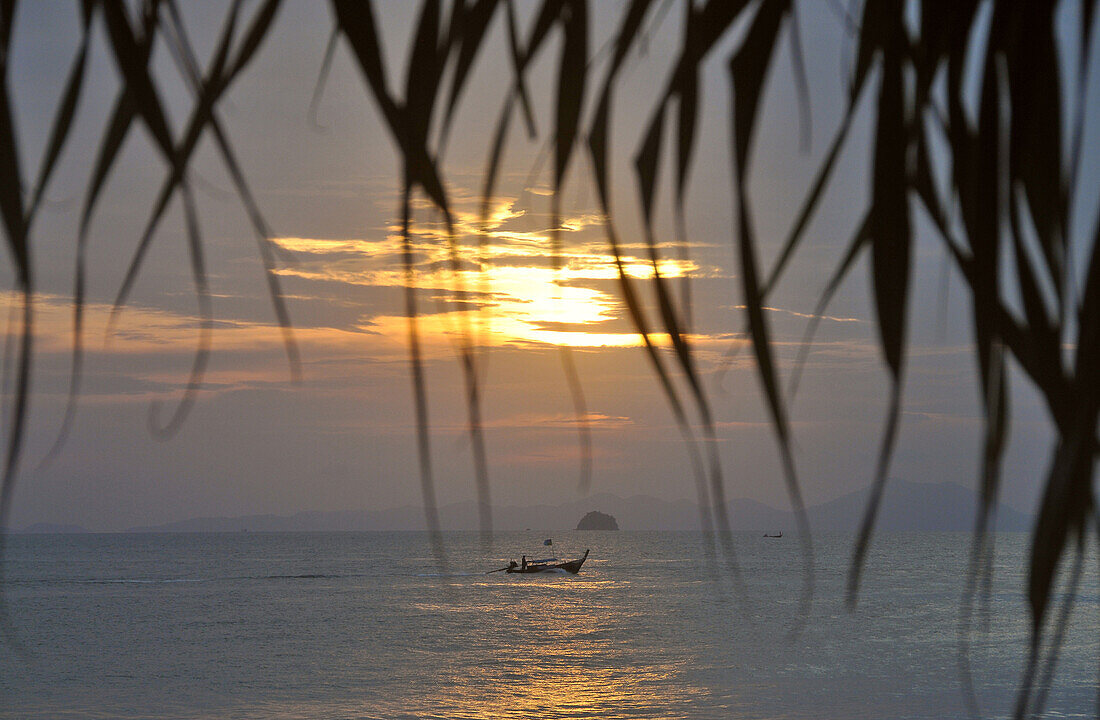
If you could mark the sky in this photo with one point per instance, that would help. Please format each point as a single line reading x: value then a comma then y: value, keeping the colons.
x: 328, y: 184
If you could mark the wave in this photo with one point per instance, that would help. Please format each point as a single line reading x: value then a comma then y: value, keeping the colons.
x: 162, y: 581
x: 135, y: 581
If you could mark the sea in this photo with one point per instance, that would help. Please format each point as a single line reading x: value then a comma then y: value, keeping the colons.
x: 392, y: 625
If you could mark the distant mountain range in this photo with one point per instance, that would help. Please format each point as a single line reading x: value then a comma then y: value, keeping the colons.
x: 53, y: 529
x: 906, y: 506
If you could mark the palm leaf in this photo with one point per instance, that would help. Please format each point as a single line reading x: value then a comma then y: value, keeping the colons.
x: 747, y: 69
x: 15, y: 233
x: 889, y: 228
x: 469, y: 37
x: 131, y: 59
x: 598, y: 148
x: 246, y: 51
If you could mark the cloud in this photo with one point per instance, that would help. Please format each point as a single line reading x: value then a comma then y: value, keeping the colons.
x: 940, y: 418
x: 148, y: 354
x: 594, y: 420
x: 516, y: 292
x: 493, y: 283
x: 807, y: 316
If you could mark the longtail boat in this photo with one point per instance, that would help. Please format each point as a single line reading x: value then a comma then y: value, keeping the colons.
x: 547, y: 565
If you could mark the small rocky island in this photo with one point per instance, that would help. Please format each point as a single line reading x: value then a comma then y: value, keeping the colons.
x: 597, y: 520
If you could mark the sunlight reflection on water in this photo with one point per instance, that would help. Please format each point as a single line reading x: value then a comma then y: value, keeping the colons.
x: 363, y: 625
x: 550, y: 646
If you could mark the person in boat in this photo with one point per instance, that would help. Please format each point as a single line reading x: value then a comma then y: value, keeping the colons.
x: 523, y: 563
x: 512, y: 565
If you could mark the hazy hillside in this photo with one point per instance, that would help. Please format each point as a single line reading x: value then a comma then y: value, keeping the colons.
x: 52, y: 529
x: 906, y: 507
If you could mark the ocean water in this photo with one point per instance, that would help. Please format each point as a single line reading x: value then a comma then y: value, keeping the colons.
x: 368, y: 625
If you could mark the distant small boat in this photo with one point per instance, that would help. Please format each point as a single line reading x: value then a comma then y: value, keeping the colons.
x: 774, y: 536
x: 547, y: 565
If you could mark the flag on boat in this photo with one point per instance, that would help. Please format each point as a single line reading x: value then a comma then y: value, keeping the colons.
x: 547, y: 541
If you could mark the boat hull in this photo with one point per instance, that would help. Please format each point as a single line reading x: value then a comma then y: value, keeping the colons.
x: 573, y: 566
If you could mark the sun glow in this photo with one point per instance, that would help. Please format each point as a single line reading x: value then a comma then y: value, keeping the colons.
x: 506, y: 292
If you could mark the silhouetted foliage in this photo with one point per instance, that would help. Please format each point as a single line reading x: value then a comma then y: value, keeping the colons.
x: 1001, y: 211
